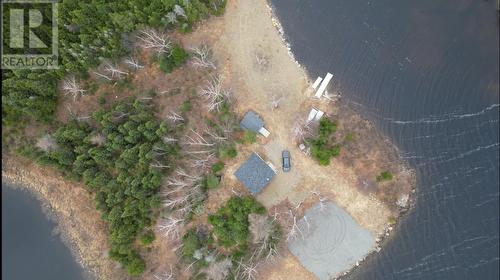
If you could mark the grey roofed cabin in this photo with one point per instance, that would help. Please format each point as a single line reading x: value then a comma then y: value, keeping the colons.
x: 251, y: 121
x: 255, y: 174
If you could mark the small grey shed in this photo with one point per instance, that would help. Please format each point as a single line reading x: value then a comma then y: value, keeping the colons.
x: 252, y: 121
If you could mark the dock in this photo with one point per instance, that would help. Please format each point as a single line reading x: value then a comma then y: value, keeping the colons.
x: 323, y: 85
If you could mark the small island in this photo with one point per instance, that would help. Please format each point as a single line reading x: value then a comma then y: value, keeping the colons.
x: 158, y: 146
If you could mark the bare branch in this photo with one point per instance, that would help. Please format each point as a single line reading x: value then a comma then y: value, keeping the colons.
x: 157, y: 41
x: 134, y: 63
x: 202, y: 57
x: 102, y: 76
x: 71, y: 87
x: 178, y: 10
x: 114, y: 71
x: 214, y: 94
x: 170, y: 227
x: 174, y: 117
x: 167, y: 275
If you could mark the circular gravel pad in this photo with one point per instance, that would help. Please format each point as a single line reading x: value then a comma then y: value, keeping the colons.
x: 330, y: 241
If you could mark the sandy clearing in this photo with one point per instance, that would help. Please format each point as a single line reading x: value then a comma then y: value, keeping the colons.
x: 258, y: 68
x: 248, y: 32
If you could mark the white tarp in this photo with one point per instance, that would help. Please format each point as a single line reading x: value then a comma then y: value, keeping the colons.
x: 312, y: 114
x: 264, y: 132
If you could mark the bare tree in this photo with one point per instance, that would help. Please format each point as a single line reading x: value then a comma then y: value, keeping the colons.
x: 46, y: 143
x: 155, y: 40
x: 166, y: 275
x: 197, y: 140
x: 247, y: 270
x: 98, y: 139
x: 171, y: 18
x: 295, y: 229
x: 275, y: 102
x: 102, y: 75
x: 157, y: 164
x: 219, y: 270
x: 202, y: 57
x: 320, y: 199
x: 168, y: 139
x: 72, y: 87
x: 302, y: 130
x: 214, y: 93
x: 114, y: 71
x: 170, y: 227
x: 215, y: 135
x: 174, y: 117
x: 134, y: 63
x: 178, y: 10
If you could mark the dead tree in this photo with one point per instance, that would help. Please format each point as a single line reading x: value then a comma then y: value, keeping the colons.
x: 295, y: 229
x: 46, y: 143
x: 302, y: 130
x: 202, y: 57
x: 320, y: 199
x: 214, y: 94
x: 171, y: 18
x: 178, y: 10
x: 102, y: 76
x: 174, y: 117
x: 155, y: 40
x: 168, y: 139
x: 247, y: 271
x: 71, y: 87
x: 215, y: 136
x: 158, y: 164
x: 201, y: 162
x: 189, y: 177
x: 197, y: 140
x: 167, y: 275
x: 114, y: 71
x: 275, y: 102
x: 134, y: 63
x: 170, y: 227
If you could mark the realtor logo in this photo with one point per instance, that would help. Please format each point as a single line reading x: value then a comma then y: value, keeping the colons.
x: 29, y: 34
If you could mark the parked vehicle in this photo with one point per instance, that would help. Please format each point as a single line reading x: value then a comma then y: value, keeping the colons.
x: 286, y: 160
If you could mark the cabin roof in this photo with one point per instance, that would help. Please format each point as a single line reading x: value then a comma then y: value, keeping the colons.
x: 255, y: 173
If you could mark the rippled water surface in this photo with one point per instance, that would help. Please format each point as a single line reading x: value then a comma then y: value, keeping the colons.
x: 29, y: 249
x: 426, y: 73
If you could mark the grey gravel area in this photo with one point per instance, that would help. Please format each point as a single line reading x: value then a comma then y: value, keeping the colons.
x: 331, y: 241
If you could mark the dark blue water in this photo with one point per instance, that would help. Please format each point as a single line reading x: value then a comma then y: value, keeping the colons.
x: 29, y: 249
x: 426, y: 73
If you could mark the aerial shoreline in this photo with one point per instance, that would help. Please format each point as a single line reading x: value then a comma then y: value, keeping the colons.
x: 18, y: 170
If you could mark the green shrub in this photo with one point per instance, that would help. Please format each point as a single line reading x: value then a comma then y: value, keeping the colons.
x: 321, y: 148
x: 230, y: 222
x: 217, y: 167
x: 148, y: 237
x: 384, y: 176
x: 102, y: 99
x: 190, y: 243
x: 175, y: 58
x: 211, y: 181
x: 186, y: 106
x: 226, y: 152
x: 249, y: 137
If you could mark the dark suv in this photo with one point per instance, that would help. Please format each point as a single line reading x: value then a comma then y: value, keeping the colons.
x: 286, y: 160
